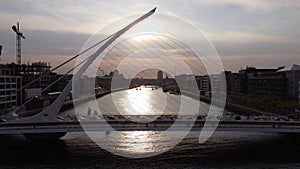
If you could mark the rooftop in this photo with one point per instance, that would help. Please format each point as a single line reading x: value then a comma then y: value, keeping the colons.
x: 294, y: 67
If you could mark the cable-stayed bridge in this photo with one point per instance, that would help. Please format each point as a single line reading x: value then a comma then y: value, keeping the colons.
x: 47, y: 122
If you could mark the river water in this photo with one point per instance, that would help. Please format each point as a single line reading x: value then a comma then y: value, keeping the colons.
x: 221, y: 150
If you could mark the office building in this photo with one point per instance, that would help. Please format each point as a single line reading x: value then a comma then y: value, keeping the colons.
x: 9, y: 84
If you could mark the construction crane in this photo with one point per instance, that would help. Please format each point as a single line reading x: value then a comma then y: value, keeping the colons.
x: 0, y: 51
x: 19, y: 35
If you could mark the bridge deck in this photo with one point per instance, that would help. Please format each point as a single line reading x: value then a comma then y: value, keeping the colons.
x: 94, y: 126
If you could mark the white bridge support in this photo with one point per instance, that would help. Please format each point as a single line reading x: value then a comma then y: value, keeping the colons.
x: 50, y: 113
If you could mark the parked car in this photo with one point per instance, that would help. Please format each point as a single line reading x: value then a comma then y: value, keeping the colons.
x: 256, y: 118
x: 237, y: 118
x: 285, y: 118
x: 277, y: 118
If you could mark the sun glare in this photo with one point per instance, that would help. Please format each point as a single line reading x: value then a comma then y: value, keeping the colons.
x: 144, y: 37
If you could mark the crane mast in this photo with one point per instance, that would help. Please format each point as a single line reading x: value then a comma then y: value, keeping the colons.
x: 19, y: 36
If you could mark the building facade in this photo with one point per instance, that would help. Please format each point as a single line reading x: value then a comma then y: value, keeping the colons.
x: 160, y: 76
x: 212, y: 83
x: 9, y: 85
x: 13, y: 77
x: 30, y: 72
x: 235, y: 83
x: 244, y: 75
x: 293, y: 77
x: 299, y: 92
x: 204, y: 84
x: 267, y: 84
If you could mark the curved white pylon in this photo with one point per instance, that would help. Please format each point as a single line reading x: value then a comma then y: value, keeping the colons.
x: 49, y: 114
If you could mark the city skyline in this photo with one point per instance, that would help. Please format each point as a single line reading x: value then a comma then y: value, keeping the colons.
x: 258, y: 33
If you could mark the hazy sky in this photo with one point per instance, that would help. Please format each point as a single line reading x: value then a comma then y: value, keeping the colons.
x: 264, y: 33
